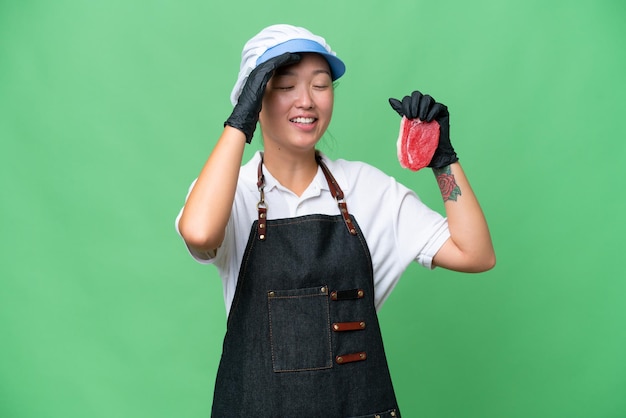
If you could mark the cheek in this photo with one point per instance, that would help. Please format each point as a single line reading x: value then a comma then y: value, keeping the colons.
x: 275, y: 103
x: 269, y: 106
x: 325, y: 101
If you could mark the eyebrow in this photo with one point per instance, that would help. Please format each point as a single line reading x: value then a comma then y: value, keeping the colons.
x: 287, y: 72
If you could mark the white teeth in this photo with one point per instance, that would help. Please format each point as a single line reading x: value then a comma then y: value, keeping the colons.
x: 303, y: 120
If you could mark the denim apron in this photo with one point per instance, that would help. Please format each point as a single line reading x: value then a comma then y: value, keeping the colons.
x: 303, y: 338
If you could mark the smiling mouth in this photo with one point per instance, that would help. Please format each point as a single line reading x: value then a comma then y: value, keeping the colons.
x: 303, y: 120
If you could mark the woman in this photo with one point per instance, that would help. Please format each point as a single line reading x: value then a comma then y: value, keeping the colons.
x: 309, y: 248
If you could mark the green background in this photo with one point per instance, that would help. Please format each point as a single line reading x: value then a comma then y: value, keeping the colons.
x: 108, y: 110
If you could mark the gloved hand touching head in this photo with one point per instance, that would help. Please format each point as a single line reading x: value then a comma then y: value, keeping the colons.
x: 426, y: 109
x: 245, y: 115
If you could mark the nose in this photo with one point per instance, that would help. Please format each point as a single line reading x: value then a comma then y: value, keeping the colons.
x: 304, y: 99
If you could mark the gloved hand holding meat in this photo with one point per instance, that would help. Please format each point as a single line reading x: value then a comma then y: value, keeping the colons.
x: 424, y: 139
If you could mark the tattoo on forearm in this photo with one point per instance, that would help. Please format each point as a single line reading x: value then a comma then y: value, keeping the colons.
x: 447, y: 184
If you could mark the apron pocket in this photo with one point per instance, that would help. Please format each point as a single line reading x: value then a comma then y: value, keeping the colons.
x: 299, y: 322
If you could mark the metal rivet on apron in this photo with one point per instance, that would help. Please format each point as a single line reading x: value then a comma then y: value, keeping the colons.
x: 262, y: 236
x: 353, y: 231
x: 393, y: 413
x: 323, y: 290
x: 271, y: 294
x: 360, y: 293
x: 261, y: 225
x: 339, y: 359
x: 362, y: 324
x: 336, y: 327
x: 376, y: 416
x: 262, y: 216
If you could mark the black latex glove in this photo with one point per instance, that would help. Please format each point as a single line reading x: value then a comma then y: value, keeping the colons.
x: 426, y: 109
x: 246, y: 112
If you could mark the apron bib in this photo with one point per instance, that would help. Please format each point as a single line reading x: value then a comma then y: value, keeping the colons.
x: 303, y: 338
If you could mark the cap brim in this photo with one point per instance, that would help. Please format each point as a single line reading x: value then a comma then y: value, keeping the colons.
x: 337, y: 67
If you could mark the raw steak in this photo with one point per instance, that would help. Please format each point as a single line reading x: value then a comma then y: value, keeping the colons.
x: 417, y: 143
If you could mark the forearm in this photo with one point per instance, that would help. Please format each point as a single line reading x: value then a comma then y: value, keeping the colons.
x: 209, y: 204
x: 469, y: 248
